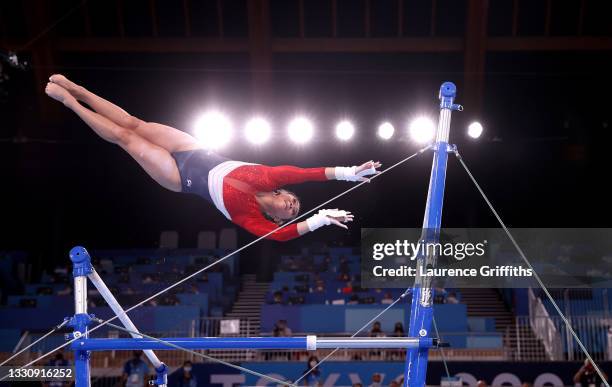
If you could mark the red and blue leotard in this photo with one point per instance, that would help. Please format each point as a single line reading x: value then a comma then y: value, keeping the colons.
x: 241, y: 184
x: 232, y: 185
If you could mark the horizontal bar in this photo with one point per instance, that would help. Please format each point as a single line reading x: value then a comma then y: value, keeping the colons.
x: 310, y: 343
x: 375, y: 342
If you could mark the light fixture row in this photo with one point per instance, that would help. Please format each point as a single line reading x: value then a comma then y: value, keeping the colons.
x: 215, y: 130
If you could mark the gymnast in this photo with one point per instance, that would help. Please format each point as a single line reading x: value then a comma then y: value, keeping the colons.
x: 249, y: 195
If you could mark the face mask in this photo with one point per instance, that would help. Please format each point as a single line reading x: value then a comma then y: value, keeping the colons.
x: 188, y: 369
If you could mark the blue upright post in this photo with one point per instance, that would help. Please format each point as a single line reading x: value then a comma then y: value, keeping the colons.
x: 421, y: 308
x: 80, y: 321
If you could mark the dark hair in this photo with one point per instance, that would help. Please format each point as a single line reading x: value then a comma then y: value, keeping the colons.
x: 282, y: 221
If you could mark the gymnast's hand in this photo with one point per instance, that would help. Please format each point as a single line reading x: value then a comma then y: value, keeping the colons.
x: 357, y: 173
x: 338, y: 217
x: 368, y: 168
x: 327, y: 217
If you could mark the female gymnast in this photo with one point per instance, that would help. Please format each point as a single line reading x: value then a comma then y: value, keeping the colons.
x: 249, y: 195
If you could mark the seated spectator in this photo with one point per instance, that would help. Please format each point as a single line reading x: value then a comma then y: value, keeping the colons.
x: 312, y: 372
x: 319, y: 287
x: 348, y: 288
x: 203, y: 278
x: 376, y: 380
x: 187, y: 378
x: 376, y: 330
x: 344, y: 277
x: 587, y: 375
x: 135, y: 371
x: 353, y: 300
x: 194, y: 289
x: 452, y: 298
x: 277, y: 297
x: 398, y: 330
x: 439, y: 295
x: 281, y: 329
x: 387, y: 299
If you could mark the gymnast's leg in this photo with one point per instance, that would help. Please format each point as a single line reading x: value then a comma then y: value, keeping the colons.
x: 167, y: 137
x: 155, y: 160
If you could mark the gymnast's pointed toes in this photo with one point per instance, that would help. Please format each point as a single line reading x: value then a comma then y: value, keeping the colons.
x: 57, y: 92
x: 57, y: 78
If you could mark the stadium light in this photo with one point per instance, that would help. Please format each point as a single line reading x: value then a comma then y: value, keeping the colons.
x: 300, y: 130
x: 345, y: 130
x: 213, y: 129
x: 257, y: 130
x: 422, y: 130
x: 386, y: 130
x: 475, y: 129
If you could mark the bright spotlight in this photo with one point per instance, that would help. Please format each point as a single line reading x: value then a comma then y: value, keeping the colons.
x: 300, y: 130
x: 213, y: 130
x: 345, y: 130
x: 422, y: 130
x: 475, y: 129
x: 257, y: 130
x: 386, y: 130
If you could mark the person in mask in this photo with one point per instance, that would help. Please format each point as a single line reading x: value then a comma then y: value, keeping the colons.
x: 187, y: 378
x: 313, y: 377
x: 376, y: 380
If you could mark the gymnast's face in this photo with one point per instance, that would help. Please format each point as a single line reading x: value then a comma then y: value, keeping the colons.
x: 285, y: 206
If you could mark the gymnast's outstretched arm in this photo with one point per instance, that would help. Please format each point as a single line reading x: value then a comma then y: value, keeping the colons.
x: 287, y: 174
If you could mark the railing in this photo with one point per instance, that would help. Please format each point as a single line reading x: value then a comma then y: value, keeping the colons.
x: 544, y: 328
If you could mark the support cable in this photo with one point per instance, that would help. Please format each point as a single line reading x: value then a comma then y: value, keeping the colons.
x: 440, y: 348
x: 53, y: 330
x: 535, y: 274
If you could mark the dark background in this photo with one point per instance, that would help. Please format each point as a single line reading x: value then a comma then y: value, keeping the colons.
x: 543, y: 96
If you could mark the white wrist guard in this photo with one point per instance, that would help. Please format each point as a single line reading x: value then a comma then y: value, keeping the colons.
x: 348, y: 173
x: 316, y: 221
x: 345, y: 173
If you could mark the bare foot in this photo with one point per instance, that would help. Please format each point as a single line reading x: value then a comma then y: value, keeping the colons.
x: 60, y: 94
x: 67, y: 84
